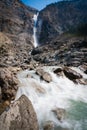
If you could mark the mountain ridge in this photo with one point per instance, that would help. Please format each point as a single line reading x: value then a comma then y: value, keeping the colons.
x: 60, y: 17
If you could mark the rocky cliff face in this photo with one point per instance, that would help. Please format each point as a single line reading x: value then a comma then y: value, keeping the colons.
x: 61, y: 17
x: 16, y: 18
x: 16, y: 24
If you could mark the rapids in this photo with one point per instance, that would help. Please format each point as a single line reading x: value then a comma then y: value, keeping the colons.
x: 59, y: 93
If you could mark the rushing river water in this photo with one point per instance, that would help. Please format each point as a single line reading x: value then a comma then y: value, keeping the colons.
x: 59, y: 93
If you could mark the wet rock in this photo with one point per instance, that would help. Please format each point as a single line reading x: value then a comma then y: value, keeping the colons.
x: 83, y: 67
x: 58, y: 71
x: 72, y: 74
x: 36, y: 51
x: 44, y: 75
x: 47, y: 77
x: 40, y: 72
x: 85, y: 71
x: 8, y: 84
x: 60, y: 113
x: 81, y: 81
x: 28, y: 76
x: 20, y: 116
x: 49, y: 125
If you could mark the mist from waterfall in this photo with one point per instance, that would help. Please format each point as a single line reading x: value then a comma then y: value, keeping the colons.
x: 35, y: 18
x: 59, y: 93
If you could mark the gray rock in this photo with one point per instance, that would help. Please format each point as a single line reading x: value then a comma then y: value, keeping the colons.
x: 20, y: 116
x: 40, y: 72
x: 60, y: 113
x: 49, y: 125
x: 44, y: 75
x: 47, y: 77
x: 71, y: 74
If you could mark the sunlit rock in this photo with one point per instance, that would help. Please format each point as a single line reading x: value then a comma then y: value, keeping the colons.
x: 49, y: 125
x: 44, y: 75
x: 20, y: 116
x: 60, y: 113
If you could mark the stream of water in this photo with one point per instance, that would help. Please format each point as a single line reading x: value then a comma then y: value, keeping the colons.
x: 35, y: 18
x: 59, y: 93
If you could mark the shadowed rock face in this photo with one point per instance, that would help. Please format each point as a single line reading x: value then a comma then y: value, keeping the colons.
x: 16, y: 23
x: 20, y: 116
x: 60, y: 17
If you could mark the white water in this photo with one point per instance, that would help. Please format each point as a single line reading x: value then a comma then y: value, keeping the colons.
x: 35, y: 18
x: 47, y: 96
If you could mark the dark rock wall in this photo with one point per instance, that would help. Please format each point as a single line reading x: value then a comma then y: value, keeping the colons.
x: 61, y: 17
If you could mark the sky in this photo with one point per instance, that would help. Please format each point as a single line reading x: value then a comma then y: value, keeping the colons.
x: 39, y: 4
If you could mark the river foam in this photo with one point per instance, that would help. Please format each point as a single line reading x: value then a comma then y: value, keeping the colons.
x: 45, y: 97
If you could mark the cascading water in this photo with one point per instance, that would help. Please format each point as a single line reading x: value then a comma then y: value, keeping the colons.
x: 59, y: 93
x: 35, y: 18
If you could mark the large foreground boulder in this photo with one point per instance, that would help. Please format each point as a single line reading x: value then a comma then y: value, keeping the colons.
x: 20, y: 116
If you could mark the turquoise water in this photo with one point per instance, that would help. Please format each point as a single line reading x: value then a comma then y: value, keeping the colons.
x: 77, y: 114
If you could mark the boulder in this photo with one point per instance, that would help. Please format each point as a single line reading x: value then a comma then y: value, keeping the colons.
x: 49, y: 125
x: 83, y: 68
x: 40, y: 72
x: 81, y: 81
x: 58, y: 71
x: 47, y: 77
x: 20, y: 116
x: 72, y: 74
x: 8, y: 84
x: 60, y: 113
x: 36, y: 51
x: 44, y: 75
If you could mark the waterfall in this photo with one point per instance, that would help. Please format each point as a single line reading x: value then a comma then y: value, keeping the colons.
x: 59, y: 93
x: 35, y: 18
